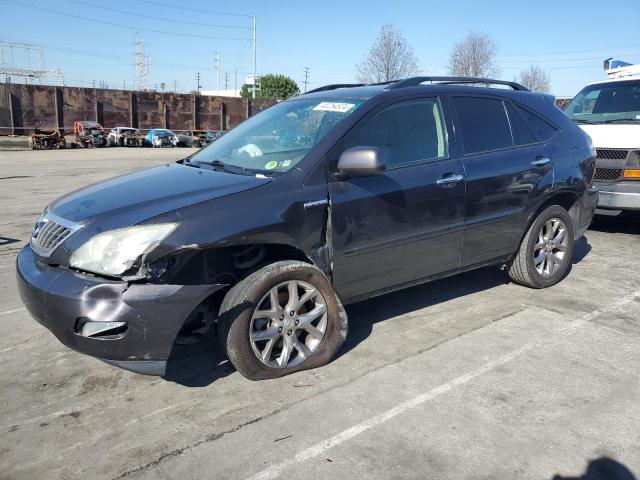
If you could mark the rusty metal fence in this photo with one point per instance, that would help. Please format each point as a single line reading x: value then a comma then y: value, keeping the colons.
x: 24, y: 108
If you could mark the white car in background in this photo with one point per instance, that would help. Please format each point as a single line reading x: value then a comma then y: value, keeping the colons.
x: 609, y: 111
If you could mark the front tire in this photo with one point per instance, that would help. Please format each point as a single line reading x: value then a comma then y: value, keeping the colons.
x: 545, y: 252
x: 281, y: 319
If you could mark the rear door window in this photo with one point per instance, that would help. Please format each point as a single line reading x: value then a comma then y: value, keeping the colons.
x: 484, y: 124
x: 542, y: 129
x: 522, y: 134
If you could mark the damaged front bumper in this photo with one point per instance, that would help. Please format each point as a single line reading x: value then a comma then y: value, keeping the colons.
x: 147, y: 317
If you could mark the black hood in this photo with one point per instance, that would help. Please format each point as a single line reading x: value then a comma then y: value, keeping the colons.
x: 148, y: 193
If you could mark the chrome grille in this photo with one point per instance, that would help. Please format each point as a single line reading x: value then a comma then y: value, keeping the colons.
x: 49, y: 232
x: 608, y: 174
x: 611, y: 154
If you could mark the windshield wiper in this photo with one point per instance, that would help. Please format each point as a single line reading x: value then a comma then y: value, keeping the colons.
x: 621, y: 120
x: 589, y: 122
x: 236, y: 169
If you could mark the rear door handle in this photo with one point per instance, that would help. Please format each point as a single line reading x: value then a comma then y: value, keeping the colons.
x: 449, y: 180
x: 539, y: 161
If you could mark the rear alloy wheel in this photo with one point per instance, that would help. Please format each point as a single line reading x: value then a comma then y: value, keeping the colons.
x: 551, y: 247
x: 545, y: 253
x: 281, y: 319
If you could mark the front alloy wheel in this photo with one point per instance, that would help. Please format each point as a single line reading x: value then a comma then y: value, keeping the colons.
x: 280, y: 319
x: 288, y: 324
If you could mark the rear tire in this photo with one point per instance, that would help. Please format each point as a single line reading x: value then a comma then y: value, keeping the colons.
x: 310, y: 339
x: 544, y: 256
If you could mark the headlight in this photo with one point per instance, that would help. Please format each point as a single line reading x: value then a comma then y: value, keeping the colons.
x: 115, y: 252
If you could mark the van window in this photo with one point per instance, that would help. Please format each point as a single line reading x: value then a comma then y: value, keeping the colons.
x: 408, y: 131
x: 522, y: 134
x: 542, y: 129
x: 484, y: 124
x: 610, y: 102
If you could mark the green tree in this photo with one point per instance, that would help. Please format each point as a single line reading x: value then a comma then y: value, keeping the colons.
x: 272, y: 87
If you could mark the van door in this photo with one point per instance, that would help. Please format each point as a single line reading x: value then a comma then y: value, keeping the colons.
x: 405, y: 225
x: 508, y: 172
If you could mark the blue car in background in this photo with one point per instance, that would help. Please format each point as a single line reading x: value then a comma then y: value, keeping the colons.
x: 160, y: 138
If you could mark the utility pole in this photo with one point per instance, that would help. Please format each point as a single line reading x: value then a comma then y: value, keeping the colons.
x: 253, y: 92
x: 306, y: 78
x: 175, y: 86
x: 226, y: 80
x: 218, y: 72
x: 198, y: 81
x: 235, y: 86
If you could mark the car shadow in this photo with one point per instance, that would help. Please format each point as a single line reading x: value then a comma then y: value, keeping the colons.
x: 626, y: 222
x: 197, y: 361
x: 603, y: 468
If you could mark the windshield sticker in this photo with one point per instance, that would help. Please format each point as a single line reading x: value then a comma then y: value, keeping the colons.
x: 334, y: 107
x: 271, y: 165
x: 285, y: 163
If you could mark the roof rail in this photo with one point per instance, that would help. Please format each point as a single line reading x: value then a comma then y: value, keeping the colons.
x: 415, y: 81
x: 334, y: 86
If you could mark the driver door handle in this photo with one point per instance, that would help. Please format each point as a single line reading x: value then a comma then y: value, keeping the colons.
x: 539, y: 161
x: 449, y: 180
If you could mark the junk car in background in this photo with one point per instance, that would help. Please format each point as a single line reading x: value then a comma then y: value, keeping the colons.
x: 159, y: 137
x: 198, y: 138
x: 89, y: 134
x: 47, y: 139
x: 125, y: 137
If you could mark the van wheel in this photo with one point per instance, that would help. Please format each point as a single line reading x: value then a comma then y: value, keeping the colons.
x: 281, y: 319
x: 545, y: 252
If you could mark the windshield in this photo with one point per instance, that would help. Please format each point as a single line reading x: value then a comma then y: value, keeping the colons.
x: 607, y: 103
x: 279, y: 137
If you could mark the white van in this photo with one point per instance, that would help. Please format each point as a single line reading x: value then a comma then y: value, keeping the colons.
x: 609, y: 111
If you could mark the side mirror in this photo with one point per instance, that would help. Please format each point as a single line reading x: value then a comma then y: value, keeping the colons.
x: 361, y: 162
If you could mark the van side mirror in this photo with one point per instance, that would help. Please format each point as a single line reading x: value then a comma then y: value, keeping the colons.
x: 361, y: 162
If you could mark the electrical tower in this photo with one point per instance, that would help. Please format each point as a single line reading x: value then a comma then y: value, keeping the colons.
x: 141, y: 69
x: 198, y: 86
x: 218, y: 72
x: 25, y: 51
x: 306, y: 78
x: 226, y: 81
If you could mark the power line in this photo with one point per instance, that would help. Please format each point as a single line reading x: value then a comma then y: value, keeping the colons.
x: 168, y: 5
x: 120, y: 25
x: 172, y: 20
x: 556, y: 60
x: 568, y: 51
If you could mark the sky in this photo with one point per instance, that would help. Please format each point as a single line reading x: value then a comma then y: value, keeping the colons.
x: 91, y: 40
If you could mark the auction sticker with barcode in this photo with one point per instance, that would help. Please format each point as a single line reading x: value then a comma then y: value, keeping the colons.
x: 334, y: 107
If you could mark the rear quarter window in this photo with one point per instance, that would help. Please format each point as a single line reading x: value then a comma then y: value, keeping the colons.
x: 484, y: 124
x: 522, y: 134
x: 542, y: 129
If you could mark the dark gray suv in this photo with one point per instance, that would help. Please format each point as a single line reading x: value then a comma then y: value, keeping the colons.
x: 332, y: 197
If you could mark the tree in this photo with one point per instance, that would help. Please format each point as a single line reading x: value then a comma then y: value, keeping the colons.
x: 536, y: 79
x: 474, y: 56
x: 390, y: 58
x: 272, y: 87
